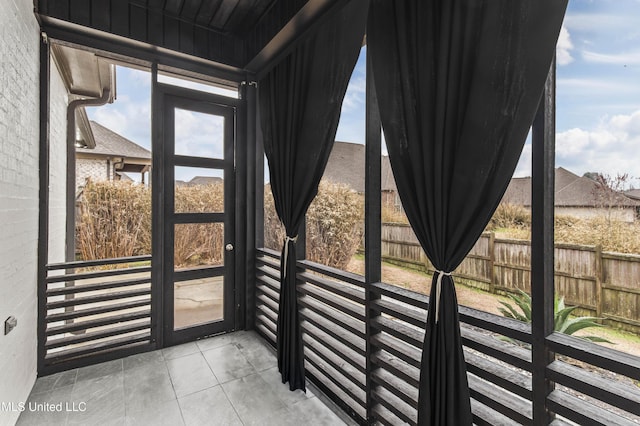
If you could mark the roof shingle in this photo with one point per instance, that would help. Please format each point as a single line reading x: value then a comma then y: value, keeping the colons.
x: 347, y: 165
x: 111, y: 144
x: 571, y: 190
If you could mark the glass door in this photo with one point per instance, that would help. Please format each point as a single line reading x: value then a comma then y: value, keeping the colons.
x: 198, y: 203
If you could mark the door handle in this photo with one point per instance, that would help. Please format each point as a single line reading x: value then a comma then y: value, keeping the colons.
x: 229, y: 247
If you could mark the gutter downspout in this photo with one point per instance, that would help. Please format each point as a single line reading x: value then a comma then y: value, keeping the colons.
x: 70, y: 246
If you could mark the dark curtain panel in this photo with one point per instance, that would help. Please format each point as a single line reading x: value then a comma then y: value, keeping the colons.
x: 458, y: 83
x: 300, y: 102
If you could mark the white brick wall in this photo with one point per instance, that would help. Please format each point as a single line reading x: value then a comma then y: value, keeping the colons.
x: 57, y: 165
x: 19, y: 132
x: 94, y: 169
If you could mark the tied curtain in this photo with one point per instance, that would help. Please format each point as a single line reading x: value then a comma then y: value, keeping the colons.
x: 299, y: 103
x: 458, y: 85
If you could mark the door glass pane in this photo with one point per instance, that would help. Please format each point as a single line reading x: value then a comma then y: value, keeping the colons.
x: 198, y: 134
x: 198, y: 245
x: 201, y: 300
x: 199, y: 190
x: 198, y: 301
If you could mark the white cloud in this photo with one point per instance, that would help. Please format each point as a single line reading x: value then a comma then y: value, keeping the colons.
x: 612, y: 147
x: 130, y: 114
x: 139, y: 77
x: 351, y: 131
x: 523, y: 168
x: 628, y: 125
x: 354, y: 98
x: 592, y: 84
x: 129, y: 119
x: 351, y: 127
x: 622, y: 58
x: 199, y: 135
x: 564, y: 47
x: 601, y: 21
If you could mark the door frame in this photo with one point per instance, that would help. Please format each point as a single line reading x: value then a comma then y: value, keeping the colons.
x: 165, y: 96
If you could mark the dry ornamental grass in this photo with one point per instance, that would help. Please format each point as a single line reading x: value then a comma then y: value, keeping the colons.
x: 115, y: 221
x: 612, y: 235
x: 334, y: 225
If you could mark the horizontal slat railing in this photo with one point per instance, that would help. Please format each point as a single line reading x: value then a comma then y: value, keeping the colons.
x: 581, y: 392
x: 332, y: 318
x: 617, y: 394
x: 96, y: 310
x: 497, y: 353
x: 499, y: 389
x: 267, y: 294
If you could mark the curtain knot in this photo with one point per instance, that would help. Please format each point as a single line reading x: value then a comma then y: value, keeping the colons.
x: 438, y: 289
x: 287, y: 239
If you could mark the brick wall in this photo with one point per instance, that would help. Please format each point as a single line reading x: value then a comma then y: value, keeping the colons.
x: 94, y: 169
x: 57, y: 165
x: 19, y: 134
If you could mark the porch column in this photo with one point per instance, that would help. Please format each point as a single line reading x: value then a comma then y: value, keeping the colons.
x: 542, y: 239
x: 372, y: 226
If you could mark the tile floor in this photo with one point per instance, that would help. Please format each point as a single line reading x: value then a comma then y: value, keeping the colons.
x: 231, y: 379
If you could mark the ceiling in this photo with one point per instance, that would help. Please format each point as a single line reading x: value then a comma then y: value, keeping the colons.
x: 233, y: 37
x: 226, y: 16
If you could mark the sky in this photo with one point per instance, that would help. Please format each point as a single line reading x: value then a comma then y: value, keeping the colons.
x: 597, y: 110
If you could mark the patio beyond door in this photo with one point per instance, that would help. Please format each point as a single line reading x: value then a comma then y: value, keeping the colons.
x: 198, y: 199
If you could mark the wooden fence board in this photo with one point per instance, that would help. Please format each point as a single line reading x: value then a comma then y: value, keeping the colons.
x: 602, y: 284
x: 621, y: 270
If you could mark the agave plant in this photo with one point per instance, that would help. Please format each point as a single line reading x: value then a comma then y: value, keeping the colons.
x: 562, y: 322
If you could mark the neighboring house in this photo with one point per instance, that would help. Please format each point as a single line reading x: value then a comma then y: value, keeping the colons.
x: 200, y: 181
x: 577, y: 196
x: 633, y: 193
x: 347, y: 165
x: 111, y: 157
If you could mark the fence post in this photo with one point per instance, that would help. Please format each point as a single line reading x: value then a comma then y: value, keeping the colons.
x: 599, y: 280
x: 492, y: 261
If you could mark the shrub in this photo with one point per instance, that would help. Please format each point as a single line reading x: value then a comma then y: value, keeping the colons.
x: 562, y: 322
x: 200, y: 198
x: 274, y: 231
x: 612, y: 235
x: 199, y: 243
x: 392, y: 215
x: 115, y: 221
x: 334, y: 229
x: 509, y: 216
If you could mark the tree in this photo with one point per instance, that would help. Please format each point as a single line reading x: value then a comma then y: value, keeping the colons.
x: 608, y: 192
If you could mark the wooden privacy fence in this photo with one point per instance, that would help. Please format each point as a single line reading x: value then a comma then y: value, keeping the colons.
x: 602, y: 284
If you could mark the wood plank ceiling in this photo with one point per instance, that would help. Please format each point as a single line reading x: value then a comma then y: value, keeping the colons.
x: 243, y: 36
x: 234, y: 17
